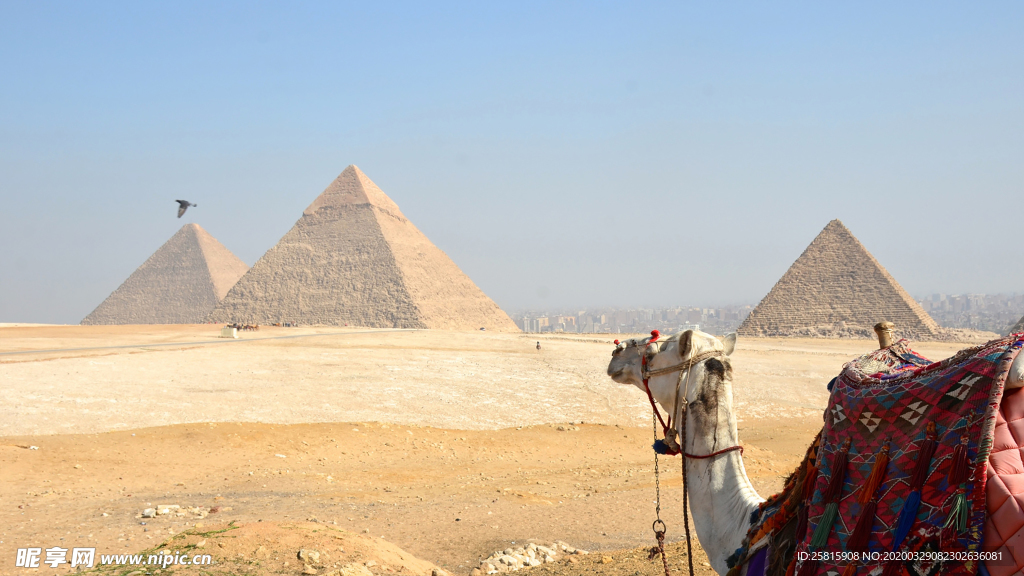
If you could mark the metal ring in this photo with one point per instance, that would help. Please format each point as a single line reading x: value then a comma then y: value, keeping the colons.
x: 654, y: 526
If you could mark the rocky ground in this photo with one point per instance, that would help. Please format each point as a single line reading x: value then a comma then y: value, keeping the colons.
x: 448, y: 496
x: 542, y: 447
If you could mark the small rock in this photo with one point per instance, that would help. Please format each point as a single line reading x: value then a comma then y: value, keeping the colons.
x: 307, y: 569
x: 77, y: 466
x: 309, y: 556
x: 607, y: 560
x: 371, y: 563
x: 261, y: 552
x: 572, y: 560
x: 163, y: 509
x: 202, y: 543
x: 476, y: 572
x: 149, y: 513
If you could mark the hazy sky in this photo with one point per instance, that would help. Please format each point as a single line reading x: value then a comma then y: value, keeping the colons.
x: 563, y: 154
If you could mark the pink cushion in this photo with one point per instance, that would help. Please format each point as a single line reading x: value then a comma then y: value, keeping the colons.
x: 1004, y: 490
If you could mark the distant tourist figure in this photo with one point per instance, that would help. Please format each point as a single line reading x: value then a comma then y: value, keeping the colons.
x: 183, y: 205
x: 538, y: 345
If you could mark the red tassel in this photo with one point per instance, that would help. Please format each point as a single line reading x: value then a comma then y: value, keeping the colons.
x: 877, y: 475
x: 947, y: 539
x: 810, y: 481
x: 858, y: 541
x: 808, y: 568
x: 924, y: 458
x: 958, y: 471
x: 801, y: 523
x: 835, y: 483
x: 850, y: 570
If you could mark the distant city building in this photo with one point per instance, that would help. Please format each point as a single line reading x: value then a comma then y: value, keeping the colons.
x: 634, y: 320
x: 990, y: 312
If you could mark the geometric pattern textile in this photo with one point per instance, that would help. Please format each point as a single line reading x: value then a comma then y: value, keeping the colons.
x: 889, y: 397
x: 962, y: 398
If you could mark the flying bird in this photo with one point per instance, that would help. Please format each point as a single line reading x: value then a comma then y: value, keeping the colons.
x: 183, y: 205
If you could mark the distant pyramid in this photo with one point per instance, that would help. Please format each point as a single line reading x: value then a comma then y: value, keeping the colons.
x: 836, y: 280
x: 1018, y: 327
x: 179, y: 284
x: 353, y: 258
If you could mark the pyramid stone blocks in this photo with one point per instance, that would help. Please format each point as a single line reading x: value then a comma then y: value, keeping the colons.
x: 179, y: 284
x: 354, y: 259
x: 836, y: 284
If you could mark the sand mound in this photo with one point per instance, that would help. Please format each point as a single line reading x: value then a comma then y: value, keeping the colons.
x: 282, y: 548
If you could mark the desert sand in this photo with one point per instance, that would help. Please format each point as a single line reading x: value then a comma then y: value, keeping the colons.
x: 405, y: 450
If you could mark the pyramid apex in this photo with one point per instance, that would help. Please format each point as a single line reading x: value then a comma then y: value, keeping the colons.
x: 352, y: 187
x: 834, y: 224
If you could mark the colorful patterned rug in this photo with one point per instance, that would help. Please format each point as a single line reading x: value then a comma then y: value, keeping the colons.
x: 897, y: 476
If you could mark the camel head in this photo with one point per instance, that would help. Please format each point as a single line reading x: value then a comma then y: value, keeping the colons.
x: 708, y: 385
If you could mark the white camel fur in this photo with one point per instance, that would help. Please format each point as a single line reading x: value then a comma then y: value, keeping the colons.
x: 721, y: 497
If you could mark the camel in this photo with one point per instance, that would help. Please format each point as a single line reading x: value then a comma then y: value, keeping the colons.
x: 721, y: 496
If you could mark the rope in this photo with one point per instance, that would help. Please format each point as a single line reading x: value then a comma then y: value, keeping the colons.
x: 686, y: 504
x: 713, y: 454
x: 659, y: 531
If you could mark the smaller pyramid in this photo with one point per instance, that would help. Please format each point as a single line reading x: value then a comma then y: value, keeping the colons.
x: 179, y: 284
x: 1018, y: 327
x: 837, y: 286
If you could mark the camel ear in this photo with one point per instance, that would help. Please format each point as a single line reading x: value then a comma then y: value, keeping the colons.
x: 684, y: 343
x: 729, y: 340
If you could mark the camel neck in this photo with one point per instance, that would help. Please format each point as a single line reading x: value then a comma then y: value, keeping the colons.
x: 721, y: 501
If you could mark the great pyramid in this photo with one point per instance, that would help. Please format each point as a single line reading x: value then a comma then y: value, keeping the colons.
x: 354, y: 259
x: 179, y: 284
x: 837, y: 287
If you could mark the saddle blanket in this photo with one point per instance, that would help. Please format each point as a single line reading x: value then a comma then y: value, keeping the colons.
x: 896, y: 482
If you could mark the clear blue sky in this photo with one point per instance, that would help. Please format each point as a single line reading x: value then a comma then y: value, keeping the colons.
x: 563, y: 154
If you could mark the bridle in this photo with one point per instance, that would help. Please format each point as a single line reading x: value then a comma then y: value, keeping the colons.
x: 685, y: 368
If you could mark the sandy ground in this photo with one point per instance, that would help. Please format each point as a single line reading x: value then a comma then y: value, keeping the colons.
x: 446, y: 445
